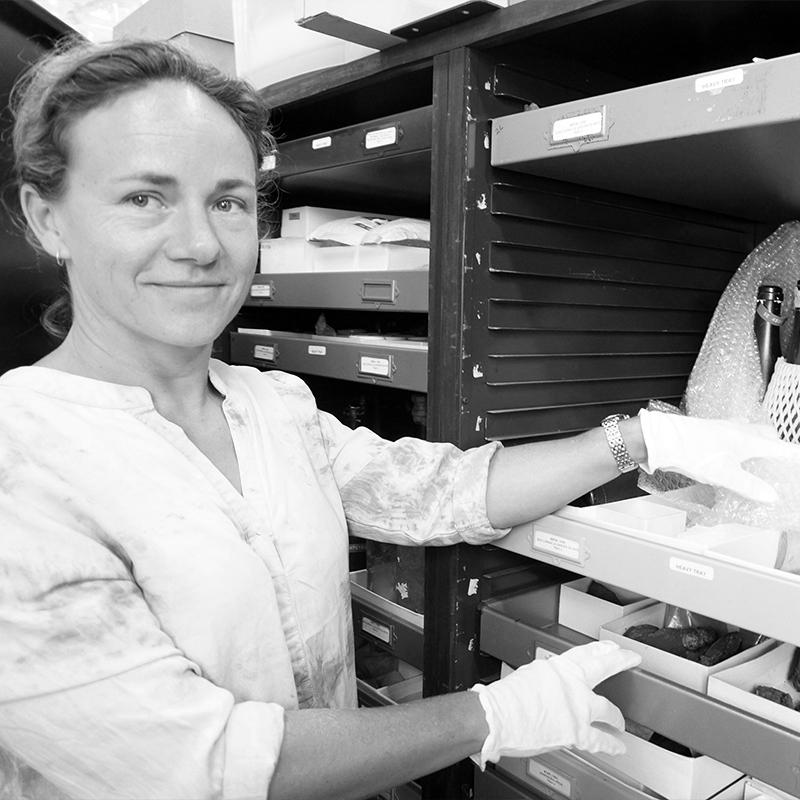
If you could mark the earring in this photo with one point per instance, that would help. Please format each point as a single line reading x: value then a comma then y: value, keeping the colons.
x: 59, y: 259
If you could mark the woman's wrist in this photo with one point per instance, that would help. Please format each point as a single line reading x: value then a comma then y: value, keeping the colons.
x: 631, y: 431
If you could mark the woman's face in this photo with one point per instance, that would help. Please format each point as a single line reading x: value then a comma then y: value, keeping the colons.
x: 158, y: 220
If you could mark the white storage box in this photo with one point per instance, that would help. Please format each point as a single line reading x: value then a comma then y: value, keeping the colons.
x: 403, y: 692
x: 286, y: 255
x: 585, y: 613
x: 292, y: 50
x: 300, y: 222
x: 643, y: 514
x: 758, y: 790
x: 205, y: 29
x: 755, y: 547
x: 735, y: 686
x: 672, y: 775
x: 370, y: 257
x: 675, y: 668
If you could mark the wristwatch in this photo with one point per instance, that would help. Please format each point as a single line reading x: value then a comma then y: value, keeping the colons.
x: 616, y: 443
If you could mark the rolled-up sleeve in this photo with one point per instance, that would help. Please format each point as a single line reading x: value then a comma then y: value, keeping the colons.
x: 96, y: 697
x: 411, y: 491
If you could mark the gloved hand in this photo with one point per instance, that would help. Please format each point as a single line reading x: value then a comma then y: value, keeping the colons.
x: 712, y: 450
x: 549, y: 703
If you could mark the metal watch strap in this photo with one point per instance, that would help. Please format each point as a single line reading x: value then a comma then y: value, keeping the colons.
x: 616, y: 443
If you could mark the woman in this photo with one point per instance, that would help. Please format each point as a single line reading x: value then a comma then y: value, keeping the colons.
x: 175, y: 592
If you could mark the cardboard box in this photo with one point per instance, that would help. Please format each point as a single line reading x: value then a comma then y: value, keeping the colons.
x: 676, y: 668
x: 301, y: 221
x: 286, y: 255
x: 163, y: 19
x: 202, y: 27
x: 733, y: 792
x: 758, y: 790
x: 672, y: 775
x: 291, y: 50
x: 643, y: 514
x: 349, y: 258
x: 752, y: 546
x: 585, y: 613
x: 735, y: 686
x: 403, y: 692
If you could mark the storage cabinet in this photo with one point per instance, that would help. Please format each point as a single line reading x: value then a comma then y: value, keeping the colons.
x: 584, y: 224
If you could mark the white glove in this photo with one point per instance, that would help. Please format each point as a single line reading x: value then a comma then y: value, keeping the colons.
x: 549, y: 703
x: 712, y: 450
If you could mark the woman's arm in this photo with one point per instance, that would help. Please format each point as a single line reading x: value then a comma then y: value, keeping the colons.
x: 546, y: 704
x: 531, y: 480
x: 357, y: 753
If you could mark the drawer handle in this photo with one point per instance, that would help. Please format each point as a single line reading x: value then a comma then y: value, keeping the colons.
x: 379, y: 292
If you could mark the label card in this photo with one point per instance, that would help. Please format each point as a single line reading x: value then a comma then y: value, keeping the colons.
x: 556, y: 545
x: 691, y: 568
x: 381, y: 138
x: 264, y: 352
x: 579, y: 127
x: 373, y: 365
x: 718, y: 81
x: 261, y: 290
x: 549, y: 777
x: 382, y: 632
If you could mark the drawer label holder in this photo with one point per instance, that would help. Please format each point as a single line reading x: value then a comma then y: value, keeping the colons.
x: 376, y: 366
x: 378, y: 630
x: 549, y: 777
x: 383, y: 137
x: 265, y: 291
x: 558, y: 546
x: 265, y: 352
x: 576, y: 129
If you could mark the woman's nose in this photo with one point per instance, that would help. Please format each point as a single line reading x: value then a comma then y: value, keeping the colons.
x: 193, y: 237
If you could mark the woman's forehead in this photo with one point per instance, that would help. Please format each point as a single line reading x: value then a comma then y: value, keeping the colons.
x: 164, y: 120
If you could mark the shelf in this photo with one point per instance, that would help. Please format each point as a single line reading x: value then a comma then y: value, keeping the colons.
x: 392, y: 627
x: 746, y: 595
x: 724, y: 141
x: 387, y: 159
x: 512, y: 629
x: 401, y: 364
x: 390, y: 290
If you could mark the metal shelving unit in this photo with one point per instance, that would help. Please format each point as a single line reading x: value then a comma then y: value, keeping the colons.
x: 400, y: 364
x: 724, y: 140
x: 741, y: 594
x: 390, y: 290
x: 513, y: 628
x: 357, y: 163
x: 564, y: 236
x: 393, y: 628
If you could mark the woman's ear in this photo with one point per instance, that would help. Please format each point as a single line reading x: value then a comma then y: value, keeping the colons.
x: 41, y: 216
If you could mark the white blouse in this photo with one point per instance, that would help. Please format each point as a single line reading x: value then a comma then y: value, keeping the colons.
x: 155, y: 623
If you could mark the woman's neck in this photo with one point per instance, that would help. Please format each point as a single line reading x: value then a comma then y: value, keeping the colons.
x: 177, y: 378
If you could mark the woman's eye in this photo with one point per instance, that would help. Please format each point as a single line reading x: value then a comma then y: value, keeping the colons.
x: 140, y: 200
x: 227, y: 204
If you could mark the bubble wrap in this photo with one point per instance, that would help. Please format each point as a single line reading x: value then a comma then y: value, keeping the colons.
x: 726, y: 383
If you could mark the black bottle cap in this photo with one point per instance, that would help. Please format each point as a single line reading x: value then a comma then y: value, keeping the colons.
x: 770, y: 292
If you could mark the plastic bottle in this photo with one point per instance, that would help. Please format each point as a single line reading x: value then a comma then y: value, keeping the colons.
x: 767, y: 326
x: 792, y: 354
